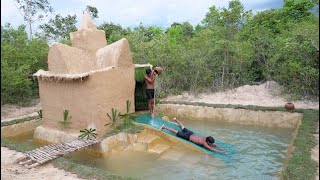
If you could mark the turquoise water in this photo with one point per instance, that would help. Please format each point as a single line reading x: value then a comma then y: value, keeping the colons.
x: 255, y: 153
x: 259, y: 152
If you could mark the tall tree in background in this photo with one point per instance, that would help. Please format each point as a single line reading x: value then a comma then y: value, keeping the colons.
x: 92, y: 11
x: 20, y: 58
x: 298, y: 10
x: 59, y: 28
x: 226, y: 24
x: 187, y: 28
x: 230, y: 48
x: 33, y: 10
x: 114, y: 32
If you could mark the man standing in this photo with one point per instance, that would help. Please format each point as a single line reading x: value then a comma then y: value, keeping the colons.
x: 150, y: 82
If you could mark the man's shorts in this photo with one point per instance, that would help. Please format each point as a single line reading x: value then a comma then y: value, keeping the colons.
x: 150, y: 93
x: 185, y: 134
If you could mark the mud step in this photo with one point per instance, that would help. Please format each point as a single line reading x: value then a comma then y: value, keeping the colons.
x: 159, y: 148
x: 147, y: 139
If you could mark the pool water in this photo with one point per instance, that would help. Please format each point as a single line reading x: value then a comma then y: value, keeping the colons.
x: 27, y: 139
x: 259, y: 153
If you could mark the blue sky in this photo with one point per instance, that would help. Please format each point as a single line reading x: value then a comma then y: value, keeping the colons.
x: 129, y: 13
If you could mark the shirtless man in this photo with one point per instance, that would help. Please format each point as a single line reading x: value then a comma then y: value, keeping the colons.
x: 150, y: 81
x: 207, y: 142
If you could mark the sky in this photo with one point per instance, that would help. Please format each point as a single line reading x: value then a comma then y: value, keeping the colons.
x: 129, y: 13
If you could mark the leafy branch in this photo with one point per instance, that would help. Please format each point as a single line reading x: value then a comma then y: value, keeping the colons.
x: 40, y: 114
x: 126, y: 117
x: 115, y: 116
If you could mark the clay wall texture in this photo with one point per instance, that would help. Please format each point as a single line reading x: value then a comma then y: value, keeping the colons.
x: 109, y: 85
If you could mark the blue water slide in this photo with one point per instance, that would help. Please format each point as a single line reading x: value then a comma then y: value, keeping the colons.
x: 158, y: 122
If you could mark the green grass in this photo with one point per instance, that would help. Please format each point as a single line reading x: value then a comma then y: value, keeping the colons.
x: 16, y: 121
x: 300, y: 165
x: 15, y: 146
x: 126, y: 128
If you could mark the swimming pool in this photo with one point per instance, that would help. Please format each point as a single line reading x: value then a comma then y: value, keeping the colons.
x: 259, y: 153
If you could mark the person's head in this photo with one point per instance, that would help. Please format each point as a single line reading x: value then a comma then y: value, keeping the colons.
x: 210, y: 140
x: 148, y: 71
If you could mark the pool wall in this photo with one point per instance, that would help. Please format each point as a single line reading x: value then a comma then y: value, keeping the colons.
x: 20, y: 128
x: 239, y: 116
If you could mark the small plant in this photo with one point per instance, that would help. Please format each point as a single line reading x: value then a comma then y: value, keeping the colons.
x: 127, y: 120
x: 88, y: 133
x: 40, y: 114
x: 66, y: 119
x: 115, y: 116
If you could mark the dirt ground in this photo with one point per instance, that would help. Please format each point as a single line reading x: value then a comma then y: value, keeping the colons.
x: 261, y: 95
x: 11, y: 170
x: 267, y: 94
x: 13, y: 111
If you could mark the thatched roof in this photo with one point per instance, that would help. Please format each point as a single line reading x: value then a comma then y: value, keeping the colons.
x: 47, y: 76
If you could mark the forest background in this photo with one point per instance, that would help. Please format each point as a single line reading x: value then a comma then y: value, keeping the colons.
x: 231, y: 47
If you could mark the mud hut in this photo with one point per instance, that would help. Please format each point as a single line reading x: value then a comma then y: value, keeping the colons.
x: 87, y: 79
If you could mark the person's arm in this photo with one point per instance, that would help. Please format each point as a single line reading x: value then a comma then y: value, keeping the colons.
x: 150, y: 79
x: 216, y: 145
x: 212, y: 149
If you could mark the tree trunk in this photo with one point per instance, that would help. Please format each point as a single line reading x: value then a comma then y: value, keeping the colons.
x: 223, y: 64
x: 30, y: 30
x: 29, y: 19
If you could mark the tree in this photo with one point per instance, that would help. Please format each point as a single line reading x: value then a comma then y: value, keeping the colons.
x: 175, y: 34
x: 298, y: 10
x: 59, y: 28
x: 93, y: 11
x: 187, y: 28
x: 33, y: 10
x: 111, y: 28
x: 20, y: 58
x: 226, y: 24
x: 153, y: 32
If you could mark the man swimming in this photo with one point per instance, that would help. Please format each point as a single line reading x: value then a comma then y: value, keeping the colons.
x: 207, y: 142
